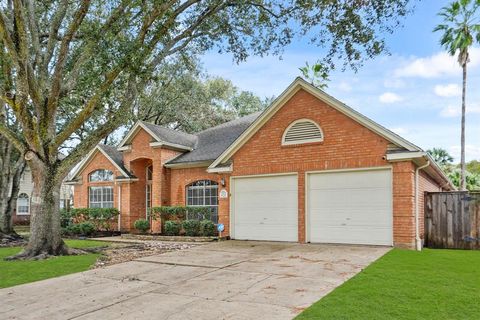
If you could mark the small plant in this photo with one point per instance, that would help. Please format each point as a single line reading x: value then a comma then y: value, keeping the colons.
x: 207, y: 228
x: 191, y: 227
x: 172, y: 228
x: 141, y: 225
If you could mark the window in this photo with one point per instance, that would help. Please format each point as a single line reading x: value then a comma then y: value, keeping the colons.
x: 302, y: 131
x: 23, y: 204
x: 101, y: 175
x: 204, y: 193
x: 149, y: 173
x: 100, y: 197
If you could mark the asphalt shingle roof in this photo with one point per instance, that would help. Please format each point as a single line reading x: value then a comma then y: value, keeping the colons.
x: 115, y: 155
x: 172, y: 136
x: 212, y: 142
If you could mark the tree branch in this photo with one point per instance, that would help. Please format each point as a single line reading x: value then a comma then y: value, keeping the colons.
x: 11, y: 136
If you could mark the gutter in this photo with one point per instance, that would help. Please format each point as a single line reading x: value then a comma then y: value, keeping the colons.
x: 418, y: 241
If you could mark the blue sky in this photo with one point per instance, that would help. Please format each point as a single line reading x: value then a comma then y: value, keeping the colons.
x: 414, y: 91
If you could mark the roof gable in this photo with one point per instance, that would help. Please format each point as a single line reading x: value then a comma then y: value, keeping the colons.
x: 111, y: 153
x: 297, y: 85
x: 162, y: 136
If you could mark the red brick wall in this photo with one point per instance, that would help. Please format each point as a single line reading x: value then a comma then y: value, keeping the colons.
x: 99, y: 161
x: 346, y: 144
x: 425, y: 184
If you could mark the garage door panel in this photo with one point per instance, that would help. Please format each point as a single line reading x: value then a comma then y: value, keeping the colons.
x: 350, y: 207
x: 349, y: 179
x: 329, y: 199
x: 356, y: 235
x: 276, y: 199
x: 265, y: 208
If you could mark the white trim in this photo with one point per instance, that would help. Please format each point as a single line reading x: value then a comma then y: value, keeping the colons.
x: 284, y: 143
x: 403, y: 156
x: 158, y: 143
x: 168, y: 144
x: 411, y: 156
x: 120, y: 180
x: 119, y: 207
x: 196, y: 164
x: 133, y: 131
x: 89, y: 157
x: 127, y: 147
x: 308, y: 173
x: 293, y: 88
x: 232, y: 197
x: 221, y: 169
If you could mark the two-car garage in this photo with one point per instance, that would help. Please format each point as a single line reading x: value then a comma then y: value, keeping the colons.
x: 351, y: 206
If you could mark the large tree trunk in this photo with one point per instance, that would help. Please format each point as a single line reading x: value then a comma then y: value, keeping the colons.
x: 462, y: 151
x: 45, y: 239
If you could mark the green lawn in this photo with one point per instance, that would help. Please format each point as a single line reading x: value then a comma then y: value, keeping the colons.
x: 13, y: 273
x: 431, y: 284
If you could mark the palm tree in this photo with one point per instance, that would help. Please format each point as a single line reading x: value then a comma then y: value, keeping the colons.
x: 460, y: 28
x: 441, y: 156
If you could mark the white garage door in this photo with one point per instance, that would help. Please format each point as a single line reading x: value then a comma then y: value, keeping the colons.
x: 265, y: 208
x: 350, y: 207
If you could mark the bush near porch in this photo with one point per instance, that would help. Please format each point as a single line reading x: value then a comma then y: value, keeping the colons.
x: 88, y: 221
x: 185, y: 220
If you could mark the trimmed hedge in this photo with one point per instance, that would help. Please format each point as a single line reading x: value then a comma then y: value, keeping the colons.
x: 191, y: 227
x: 141, y: 225
x: 180, y: 213
x: 101, y: 218
x: 207, y: 228
x: 172, y: 228
x: 80, y: 229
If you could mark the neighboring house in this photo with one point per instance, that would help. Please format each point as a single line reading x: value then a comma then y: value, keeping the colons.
x: 23, y: 209
x: 307, y: 169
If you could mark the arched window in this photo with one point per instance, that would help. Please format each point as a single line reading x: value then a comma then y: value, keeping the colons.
x: 23, y: 204
x: 204, y: 193
x: 302, y: 131
x: 101, y: 175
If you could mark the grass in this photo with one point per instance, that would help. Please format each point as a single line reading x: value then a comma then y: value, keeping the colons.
x: 13, y: 273
x: 431, y: 284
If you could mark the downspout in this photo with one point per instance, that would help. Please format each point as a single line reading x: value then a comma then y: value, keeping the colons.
x: 418, y: 241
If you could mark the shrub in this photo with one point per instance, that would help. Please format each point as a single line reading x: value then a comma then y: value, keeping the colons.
x: 80, y: 229
x: 191, y: 227
x: 101, y: 218
x: 207, y: 228
x: 86, y: 228
x: 65, y: 218
x: 172, y: 228
x: 142, y: 225
x: 180, y: 213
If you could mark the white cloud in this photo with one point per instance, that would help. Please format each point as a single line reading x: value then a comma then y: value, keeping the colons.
x: 389, y: 97
x: 394, y: 83
x: 437, y: 65
x: 448, y: 90
x: 456, y: 111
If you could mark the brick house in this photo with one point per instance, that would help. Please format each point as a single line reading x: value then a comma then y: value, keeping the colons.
x: 307, y: 169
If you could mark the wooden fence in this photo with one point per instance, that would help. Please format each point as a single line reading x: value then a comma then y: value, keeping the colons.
x: 452, y: 220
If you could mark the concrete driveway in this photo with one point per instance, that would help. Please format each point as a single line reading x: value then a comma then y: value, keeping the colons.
x: 226, y: 280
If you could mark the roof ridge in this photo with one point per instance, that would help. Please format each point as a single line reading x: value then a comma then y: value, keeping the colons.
x: 225, y: 124
x: 166, y: 128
